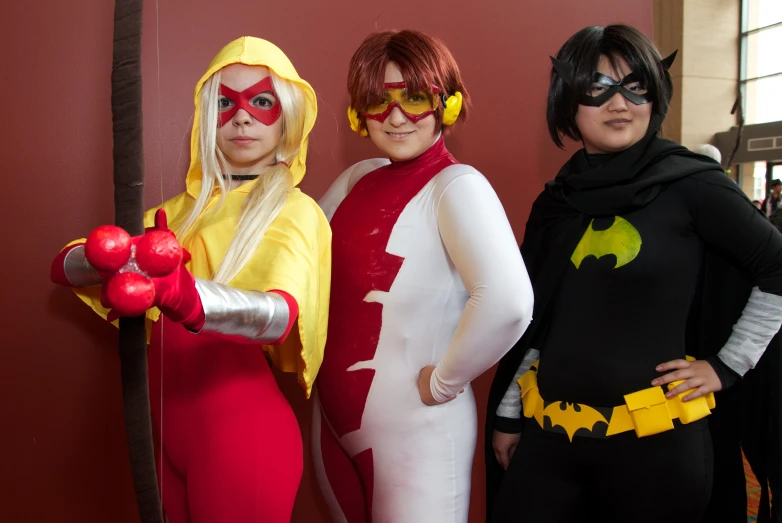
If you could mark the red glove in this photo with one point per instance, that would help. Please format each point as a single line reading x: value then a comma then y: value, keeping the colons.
x: 175, y: 292
x: 177, y: 297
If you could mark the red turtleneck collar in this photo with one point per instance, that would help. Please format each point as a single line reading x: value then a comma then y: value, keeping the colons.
x: 436, y: 158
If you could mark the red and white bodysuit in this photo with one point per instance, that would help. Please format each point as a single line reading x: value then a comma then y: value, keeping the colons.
x: 426, y: 271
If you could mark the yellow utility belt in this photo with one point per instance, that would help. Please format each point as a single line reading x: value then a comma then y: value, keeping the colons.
x: 647, y: 411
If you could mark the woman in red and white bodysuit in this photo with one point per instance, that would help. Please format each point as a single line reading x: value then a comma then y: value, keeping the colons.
x: 429, y: 292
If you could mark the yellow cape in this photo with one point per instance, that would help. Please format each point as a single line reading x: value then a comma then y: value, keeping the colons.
x: 295, y: 252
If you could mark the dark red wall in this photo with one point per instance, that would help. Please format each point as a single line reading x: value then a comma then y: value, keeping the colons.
x: 62, y: 442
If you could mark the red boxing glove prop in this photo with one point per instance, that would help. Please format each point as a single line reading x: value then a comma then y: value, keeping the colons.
x: 151, y: 268
x: 128, y: 294
x: 158, y: 253
x: 108, y: 248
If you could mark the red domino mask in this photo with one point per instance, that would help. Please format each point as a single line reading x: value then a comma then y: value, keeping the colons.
x: 250, y: 100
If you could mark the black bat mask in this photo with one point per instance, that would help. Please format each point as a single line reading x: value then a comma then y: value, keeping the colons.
x: 638, y: 97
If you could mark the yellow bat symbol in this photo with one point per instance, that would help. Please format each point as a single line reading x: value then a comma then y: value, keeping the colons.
x: 621, y: 239
x: 572, y: 416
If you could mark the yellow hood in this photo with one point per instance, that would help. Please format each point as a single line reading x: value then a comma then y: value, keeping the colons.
x: 249, y: 50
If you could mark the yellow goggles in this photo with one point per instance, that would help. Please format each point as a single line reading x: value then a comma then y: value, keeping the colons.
x: 415, y: 106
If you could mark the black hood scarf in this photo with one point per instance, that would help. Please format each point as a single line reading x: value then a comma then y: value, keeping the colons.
x: 748, y: 414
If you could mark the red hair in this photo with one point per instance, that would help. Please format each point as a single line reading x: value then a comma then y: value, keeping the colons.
x: 423, y: 60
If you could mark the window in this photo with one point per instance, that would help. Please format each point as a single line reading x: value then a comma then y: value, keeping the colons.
x: 761, y: 60
x: 759, y: 175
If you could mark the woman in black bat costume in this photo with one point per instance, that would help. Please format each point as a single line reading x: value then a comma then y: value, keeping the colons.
x: 619, y: 247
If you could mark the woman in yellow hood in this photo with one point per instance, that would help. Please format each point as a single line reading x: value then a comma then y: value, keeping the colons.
x: 259, y: 262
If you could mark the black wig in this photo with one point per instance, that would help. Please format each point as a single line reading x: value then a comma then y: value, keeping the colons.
x: 583, y: 51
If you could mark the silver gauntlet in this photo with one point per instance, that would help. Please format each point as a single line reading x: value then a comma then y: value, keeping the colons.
x: 78, y: 270
x: 254, y: 316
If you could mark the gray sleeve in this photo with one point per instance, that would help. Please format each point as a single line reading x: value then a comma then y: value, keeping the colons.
x: 510, y: 406
x: 758, y: 323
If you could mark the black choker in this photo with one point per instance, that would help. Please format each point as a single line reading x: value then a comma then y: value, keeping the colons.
x: 242, y: 177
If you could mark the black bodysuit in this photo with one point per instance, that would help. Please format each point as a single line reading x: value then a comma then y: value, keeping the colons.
x: 610, y: 327
x: 615, y: 255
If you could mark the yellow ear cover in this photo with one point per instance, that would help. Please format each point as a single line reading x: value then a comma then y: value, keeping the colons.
x: 355, y: 123
x: 453, y: 106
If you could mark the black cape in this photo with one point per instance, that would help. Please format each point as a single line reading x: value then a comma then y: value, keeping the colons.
x: 747, y: 415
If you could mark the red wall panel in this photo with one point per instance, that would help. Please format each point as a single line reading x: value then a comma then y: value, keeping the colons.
x: 62, y: 444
